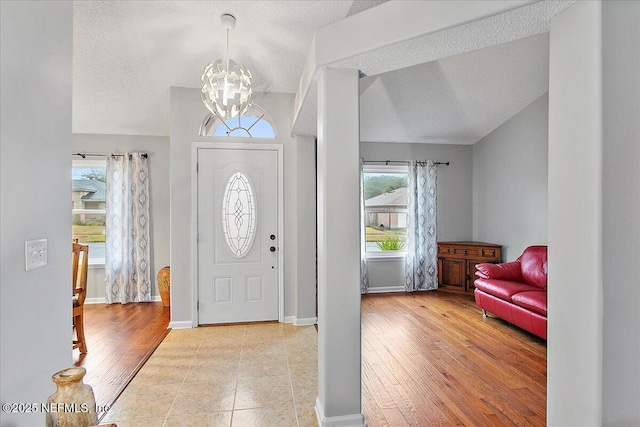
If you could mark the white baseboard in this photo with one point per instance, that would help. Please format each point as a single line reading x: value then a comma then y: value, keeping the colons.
x: 103, y: 300
x: 305, y: 321
x: 354, y: 420
x: 181, y: 324
x: 385, y: 289
x: 302, y: 321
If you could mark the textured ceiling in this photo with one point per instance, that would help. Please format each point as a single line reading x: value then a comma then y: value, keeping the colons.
x: 471, y: 44
x: 455, y: 100
x: 127, y: 54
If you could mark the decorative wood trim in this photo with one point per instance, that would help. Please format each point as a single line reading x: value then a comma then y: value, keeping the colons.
x: 289, y: 319
x: 354, y: 420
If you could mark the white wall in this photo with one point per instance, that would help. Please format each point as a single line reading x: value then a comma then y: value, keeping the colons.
x: 35, y: 142
x: 510, y: 182
x: 621, y: 213
x: 187, y: 113
x: 306, y: 244
x: 574, y: 363
x: 157, y: 147
x: 386, y: 274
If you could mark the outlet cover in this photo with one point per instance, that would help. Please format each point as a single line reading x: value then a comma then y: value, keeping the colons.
x: 35, y: 253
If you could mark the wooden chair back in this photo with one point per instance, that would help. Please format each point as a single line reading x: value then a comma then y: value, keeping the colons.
x: 79, y: 267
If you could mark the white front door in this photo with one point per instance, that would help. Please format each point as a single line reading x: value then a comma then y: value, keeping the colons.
x: 238, y: 235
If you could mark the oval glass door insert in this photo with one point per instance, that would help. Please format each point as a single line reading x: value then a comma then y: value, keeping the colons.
x: 239, y: 214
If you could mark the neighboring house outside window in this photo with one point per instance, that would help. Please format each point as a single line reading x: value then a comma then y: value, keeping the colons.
x: 385, y: 205
x: 88, y: 206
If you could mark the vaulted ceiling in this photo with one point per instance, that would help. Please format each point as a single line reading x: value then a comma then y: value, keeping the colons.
x: 458, y: 99
x: 128, y: 54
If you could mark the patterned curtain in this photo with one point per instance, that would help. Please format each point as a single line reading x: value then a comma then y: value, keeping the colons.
x: 422, y: 249
x: 364, y: 271
x: 127, y: 263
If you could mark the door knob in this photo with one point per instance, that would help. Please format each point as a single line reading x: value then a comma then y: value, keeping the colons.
x: 272, y: 248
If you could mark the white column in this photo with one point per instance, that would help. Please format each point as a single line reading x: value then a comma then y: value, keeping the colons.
x: 339, y: 377
x: 621, y: 211
x: 574, y: 389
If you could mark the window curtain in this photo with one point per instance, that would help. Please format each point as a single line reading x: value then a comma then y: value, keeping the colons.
x: 422, y: 249
x: 364, y: 273
x: 127, y: 260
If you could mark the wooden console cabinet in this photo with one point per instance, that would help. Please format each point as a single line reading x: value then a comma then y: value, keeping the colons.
x: 457, y: 262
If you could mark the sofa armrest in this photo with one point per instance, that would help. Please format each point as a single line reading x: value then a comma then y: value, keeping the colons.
x: 505, y: 271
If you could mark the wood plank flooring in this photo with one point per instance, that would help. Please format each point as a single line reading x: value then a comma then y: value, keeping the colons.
x: 120, y: 338
x: 430, y: 358
x: 427, y: 358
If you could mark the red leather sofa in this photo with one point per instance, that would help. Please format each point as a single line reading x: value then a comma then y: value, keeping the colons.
x: 516, y: 291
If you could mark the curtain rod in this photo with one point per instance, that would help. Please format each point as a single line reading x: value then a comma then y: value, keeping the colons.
x: 84, y: 155
x: 404, y: 162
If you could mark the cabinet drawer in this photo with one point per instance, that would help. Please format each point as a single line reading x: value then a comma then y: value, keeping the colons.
x: 488, y: 252
x: 444, y: 250
x: 466, y: 251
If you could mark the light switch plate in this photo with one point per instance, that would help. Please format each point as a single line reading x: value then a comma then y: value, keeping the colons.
x: 35, y: 253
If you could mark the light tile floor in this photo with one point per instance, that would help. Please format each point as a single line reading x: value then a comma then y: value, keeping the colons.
x: 240, y: 376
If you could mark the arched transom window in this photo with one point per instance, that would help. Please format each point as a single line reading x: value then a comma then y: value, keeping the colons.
x: 254, y: 123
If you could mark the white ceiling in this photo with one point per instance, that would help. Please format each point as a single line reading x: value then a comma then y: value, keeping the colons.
x: 458, y: 99
x: 127, y: 54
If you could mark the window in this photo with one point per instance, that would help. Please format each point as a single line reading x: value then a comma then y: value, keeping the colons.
x: 385, y: 206
x: 88, y: 204
x: 239, y: 215
x: 253, y: 124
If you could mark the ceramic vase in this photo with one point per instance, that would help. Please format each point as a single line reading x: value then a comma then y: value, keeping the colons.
x: 73, y: 404
x: 164, y: 285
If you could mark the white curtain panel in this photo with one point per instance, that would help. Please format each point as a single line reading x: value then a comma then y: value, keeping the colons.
x: 422, y: 247
x: 364, y: 271
x: 127, y: 261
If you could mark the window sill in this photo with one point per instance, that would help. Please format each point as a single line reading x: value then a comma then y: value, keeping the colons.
x: 96, y: 263
x: 386, y: 255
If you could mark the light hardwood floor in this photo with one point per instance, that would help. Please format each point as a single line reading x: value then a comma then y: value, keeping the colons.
x: 120, y: 338
x: 427, y: 358
x: 430, y: 358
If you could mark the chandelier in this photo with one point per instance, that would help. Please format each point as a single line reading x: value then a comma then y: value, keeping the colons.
x: 226, y: 84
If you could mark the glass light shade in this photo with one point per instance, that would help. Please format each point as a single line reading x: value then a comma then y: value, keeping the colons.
x: 226, y: 91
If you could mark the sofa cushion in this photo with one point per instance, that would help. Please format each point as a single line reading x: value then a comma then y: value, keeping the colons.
x: 511, y: 271
x: 534, y: 266
x: 535, y: 301
x: 503, y: 289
